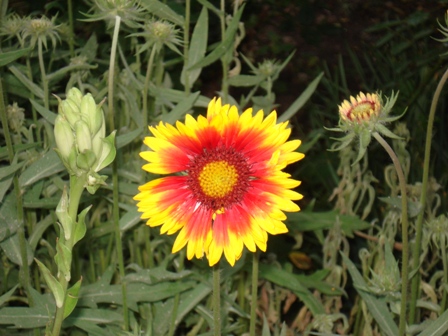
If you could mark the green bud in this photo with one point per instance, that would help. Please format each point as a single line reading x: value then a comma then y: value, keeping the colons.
x: 108, y: 152
x: 88, y: 109
x: 75, y: 95
x: 64, y: 136
x: 86, y: 160
x: 97, y: 144
x: 70, y: 111
x: 83, y: 138
x: 62, y: 213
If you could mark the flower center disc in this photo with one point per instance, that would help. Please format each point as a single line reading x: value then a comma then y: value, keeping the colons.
x: 218, y: 178
x: 361, y: 111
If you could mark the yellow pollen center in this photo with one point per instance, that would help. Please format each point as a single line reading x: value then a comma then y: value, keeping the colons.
x: 218, y: 178
x: 362, y: 111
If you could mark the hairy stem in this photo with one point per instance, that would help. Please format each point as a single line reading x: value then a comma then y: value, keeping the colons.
x: 254, y: 296
x: 419, y: 224
x: 216, y: 301
x: 404, y: 231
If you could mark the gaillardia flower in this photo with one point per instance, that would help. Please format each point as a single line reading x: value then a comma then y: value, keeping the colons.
x: 361, y: 117
x: 230, y: 190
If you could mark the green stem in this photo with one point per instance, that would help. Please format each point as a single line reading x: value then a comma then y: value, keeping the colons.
x: 76, y: 189
x: 71, y: 25
x: 404, y: 231
x: 43, y: 73
x: 225, y: 65
x: 419, y: 224
x: 115, y: 212
x: 254, y: 296
x: 216, y: 301
x: 445, y: 273
x: 187, y: 45
x: 146, y: 86
x: 25, y: 271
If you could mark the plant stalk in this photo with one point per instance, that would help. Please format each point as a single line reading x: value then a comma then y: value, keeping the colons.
x: 404, y: 231
x: 115, y: 212
x: 216, y: 301
x: 419, y: 224
x: 254, y: 296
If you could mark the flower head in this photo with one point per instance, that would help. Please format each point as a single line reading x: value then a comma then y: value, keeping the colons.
x: 361, y: 116
x: 130, y: 11
x: 40, y: 29
x: 231, y: 191
x: 159, y: 33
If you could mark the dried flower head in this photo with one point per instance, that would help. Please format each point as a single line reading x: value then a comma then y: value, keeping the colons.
x: 16, y: 117
x: 129, y: 11
x: 12, y: 26
x: 40, y: 30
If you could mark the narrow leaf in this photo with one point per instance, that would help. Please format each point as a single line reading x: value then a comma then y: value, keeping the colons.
x: 44, y: 112
x: 11, y: 248
x: 181, y: 109
x: 47, y: 165
x: 25, y: 81
x: 224, y: 46
x: 11, y: 56
x: 196, y: 51
x: 72, y: 298
x: 303, y: 98
x: 163, y: 11
x: 376, y: 306
x: 52, y: 283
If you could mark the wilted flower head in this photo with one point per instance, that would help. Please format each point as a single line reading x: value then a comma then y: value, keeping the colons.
x: 12, y: 26
x: 129, y: 11
x: 437, y: 231
x: 16, y: 117
x: 41, y: 29
x: 159, y: 33
x: 361, y: 116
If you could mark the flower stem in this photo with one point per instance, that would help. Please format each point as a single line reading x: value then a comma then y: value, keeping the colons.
x: 404, y: 231
x: 419, y: 224
x: 187, y: 45
x: 225, y: 65
x: 43, y: 73
x: 254, y: 296
x: 146, y: 86
x: 115, y: 212
x: 71, y: 33
x: 25, y: 271
x: 76, y: 189
x: 445, y: 273
x: 216, y: 301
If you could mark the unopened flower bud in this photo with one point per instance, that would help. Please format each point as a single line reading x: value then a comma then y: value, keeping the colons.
x: 107, y: 154
x: 92, y: 113
x: 83, y: 138
x: 64, y: 136
x: 75, y: 95
x: 70, y: 111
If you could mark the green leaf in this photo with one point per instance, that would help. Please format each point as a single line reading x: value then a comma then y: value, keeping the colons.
x: 290, y: 281
x: 376, y: 306
x: 175, y: 96
x: 8, y: 217
x: 246, y: 80
x: 437, y: 327
x: 11, y: 169
x: 80, y: 226
x: 61, y: 72
x: 124, y: 139
x: 81, y: 316
x: 210, y: 6
x: 190, y: 299
x: 11, y: 56
x: 39, y: 229
x: 181, y: 109
x: 197, y: 49
x: 24, y: 317
x: 72, y: 298
x: 163, y: 11
x: 311, y: 221
x: 414, y: 208
x: 44, y: 112
x: 48, y: 165
x: 301, y: 100
x: 36, y: 90
x: 223, y: 46
x: 5, y: 297
x: 52, y: 283
x: 11, y: 248
x: 63, y: 259
x: 129, y: 220
x: 155, y: 275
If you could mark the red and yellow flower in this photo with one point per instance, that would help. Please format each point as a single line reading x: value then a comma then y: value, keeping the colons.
x: 229, y: 191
